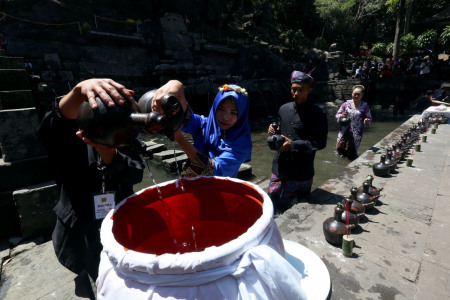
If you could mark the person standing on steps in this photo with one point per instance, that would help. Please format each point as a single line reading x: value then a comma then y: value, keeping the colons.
x: 304, y: 127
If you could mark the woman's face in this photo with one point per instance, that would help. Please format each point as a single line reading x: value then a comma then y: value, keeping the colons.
x: 226, y: 114
x: 357, y: 94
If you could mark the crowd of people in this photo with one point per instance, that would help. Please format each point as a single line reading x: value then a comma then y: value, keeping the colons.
x: 372, y: 68
x: 396, y: 72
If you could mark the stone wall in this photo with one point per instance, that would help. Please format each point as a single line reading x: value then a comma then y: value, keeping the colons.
x: 163, y: 49
x: 27, y: 194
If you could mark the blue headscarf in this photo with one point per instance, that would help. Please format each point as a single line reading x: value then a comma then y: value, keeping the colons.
x: 237, y: 138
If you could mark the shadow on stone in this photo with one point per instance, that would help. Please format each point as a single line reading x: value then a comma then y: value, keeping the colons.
x: 373, y: 211
x: 320, y: 196
x: 358, y: 230
x: 363, y: 220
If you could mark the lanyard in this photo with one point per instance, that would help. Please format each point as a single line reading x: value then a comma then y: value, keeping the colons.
x: 103, y: 181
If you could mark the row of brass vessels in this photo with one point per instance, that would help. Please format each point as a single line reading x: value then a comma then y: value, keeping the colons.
x: 365, y: 197
x: 437, y: 119
x: 397, y: 151
x: 348, y: 212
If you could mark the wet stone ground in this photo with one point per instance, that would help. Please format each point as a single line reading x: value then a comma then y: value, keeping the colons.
x: 395, y: 242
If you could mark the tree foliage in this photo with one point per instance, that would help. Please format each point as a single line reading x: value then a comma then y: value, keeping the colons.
x: 444, y: 38
x: 407, y: 45
x: 293, y: 14
x: 321, y: 43
x: 379, y: 49
x: 319, y: 23
x: 427, y: 39
x: 296, y: 40
x: 349, y: 22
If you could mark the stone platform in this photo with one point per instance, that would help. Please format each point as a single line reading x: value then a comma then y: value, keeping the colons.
x: 401, y: 246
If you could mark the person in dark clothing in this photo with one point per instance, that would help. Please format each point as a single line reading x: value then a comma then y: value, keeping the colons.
x: 342, y: 69
x: 400, y: 101
x: 304, y: 127
x: 85, y: 172
x: 424, y: 101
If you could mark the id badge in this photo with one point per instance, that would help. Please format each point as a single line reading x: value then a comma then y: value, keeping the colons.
x: 103, y: 203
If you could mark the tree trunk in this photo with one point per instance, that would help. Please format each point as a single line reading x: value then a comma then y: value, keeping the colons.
x: 360, y: 36
x: 408, y: 16
x: 398, y: 27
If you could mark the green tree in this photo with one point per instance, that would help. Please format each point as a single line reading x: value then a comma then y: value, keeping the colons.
x: 398, y: 8
x: 407, y: 44
x: 321, y: 43
x: 427, y: 39
x: 293, y: 14
x: 379, y: 49
x: 444, y: 38
x: 348, y: 21
x: 296, y: 40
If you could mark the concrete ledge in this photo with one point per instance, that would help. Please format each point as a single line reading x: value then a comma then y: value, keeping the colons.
x: 24, y: 172
x: 35, y: 206
x: 14, y: 79
x: 18, y: 136
x: 115, y: 37
x: 245, y: 171
x: 153, y: 148
x: 171, y: 164
x: 16, y: 99
x: 7, y: 63
x: 163, y: 155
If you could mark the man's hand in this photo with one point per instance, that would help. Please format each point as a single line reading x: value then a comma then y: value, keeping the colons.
x: 286, y: 145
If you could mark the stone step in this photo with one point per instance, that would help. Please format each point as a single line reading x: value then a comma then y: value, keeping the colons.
x: 14, y: 79
x: 171, y: 164
x: 7, y: 63
x: 258, y: 180
x: 16, y: 99
x: 245, y: 171
x: 18, y: 134
x: 152, y: 147
x: 163, y: 155
x: 35, y: 207
x: 24, y: 172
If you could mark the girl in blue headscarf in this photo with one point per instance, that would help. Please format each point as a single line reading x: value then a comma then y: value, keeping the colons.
x: 222, y: 141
